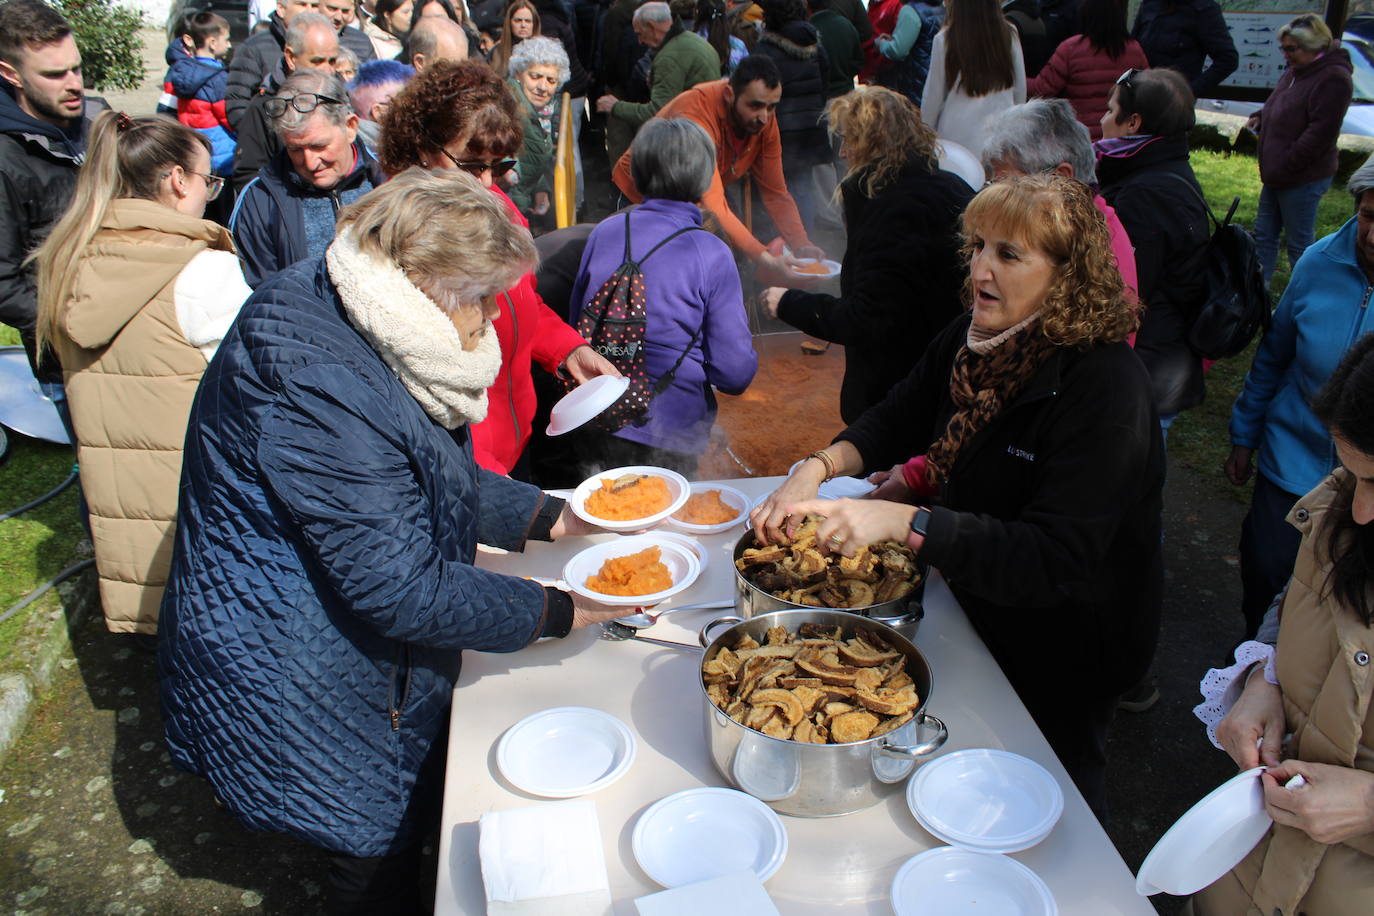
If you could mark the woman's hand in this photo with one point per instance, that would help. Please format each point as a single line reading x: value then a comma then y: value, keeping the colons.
x: 586, y: 612
x: 570, y: 525
x: 1240, y: 465
x: 1257, y: 714
x: 769, y: 516
x: 606, y: 103
x: 770, y: 299
x: 1336, y: 804
x: 891, y: 486
x: 849, y: 525
x: 585, y: 364
x: 541, y: 203
x: 810, y: 253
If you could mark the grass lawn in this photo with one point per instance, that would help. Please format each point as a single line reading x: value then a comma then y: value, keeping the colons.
x: 1198, y: 439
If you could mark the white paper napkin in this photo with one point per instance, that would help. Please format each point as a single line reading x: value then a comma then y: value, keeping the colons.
x: 546, y: 858
x: 738, y: 894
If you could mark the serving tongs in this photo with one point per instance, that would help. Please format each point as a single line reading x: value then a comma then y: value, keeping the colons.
x: 615, y: 631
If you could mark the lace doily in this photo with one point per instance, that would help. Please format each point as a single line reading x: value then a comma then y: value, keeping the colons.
x: 1221, y: 687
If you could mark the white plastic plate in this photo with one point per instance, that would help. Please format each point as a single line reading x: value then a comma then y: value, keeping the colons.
x: 585, y: 402
x: 678, y: 488
x: 705, y: 833
x: 958, y: 882
x: 832, y: 269
x: 728, y: 495
x: 680, y: 558
x: 565, y: 752
x: 1208, y: 840
x: 986, y: 800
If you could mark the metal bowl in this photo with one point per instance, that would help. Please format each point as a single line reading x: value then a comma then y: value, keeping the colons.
x: 818, y: 780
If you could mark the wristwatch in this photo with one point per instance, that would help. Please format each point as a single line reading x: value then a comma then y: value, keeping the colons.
x: 919, y: 521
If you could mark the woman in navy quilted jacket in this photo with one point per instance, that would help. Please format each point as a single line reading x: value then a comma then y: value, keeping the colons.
x: 323, y: 587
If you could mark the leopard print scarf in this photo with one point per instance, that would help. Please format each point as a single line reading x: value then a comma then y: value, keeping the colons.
x: 988, y: 374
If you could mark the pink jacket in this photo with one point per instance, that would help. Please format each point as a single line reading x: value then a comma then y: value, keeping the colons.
x: 1085, y: 76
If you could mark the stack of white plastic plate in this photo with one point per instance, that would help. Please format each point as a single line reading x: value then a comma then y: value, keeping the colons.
x: 956, y: 882
x: 986, y: 800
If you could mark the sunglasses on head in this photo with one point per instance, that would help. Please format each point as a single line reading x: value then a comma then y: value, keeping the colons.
x: 1125, y: 78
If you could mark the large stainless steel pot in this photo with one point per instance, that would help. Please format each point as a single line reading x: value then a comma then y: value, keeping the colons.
x: 817, y: 780
x: 903, y: 614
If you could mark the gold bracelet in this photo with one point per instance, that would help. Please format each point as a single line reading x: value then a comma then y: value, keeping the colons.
x: 825, y: 459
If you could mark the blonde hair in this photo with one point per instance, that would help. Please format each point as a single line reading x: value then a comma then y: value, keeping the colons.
x: 1309, y: 31
x: 125, y: 157
x: 1087, y: 302
x: 882, y: 132
x: 453, y: 238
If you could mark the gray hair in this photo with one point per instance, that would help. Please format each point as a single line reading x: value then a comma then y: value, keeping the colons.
x: 673, y: 160
x: 654, y: 11
x: 1362, y: 180
x: 320, y: 83
x: 539, y: 50
x: 302, y: 25
x: 1038, y: 135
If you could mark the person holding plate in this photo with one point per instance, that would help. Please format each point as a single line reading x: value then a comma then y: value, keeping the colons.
x: 1298, y: 699
x: 1037, y: 485
x: 323, y: 587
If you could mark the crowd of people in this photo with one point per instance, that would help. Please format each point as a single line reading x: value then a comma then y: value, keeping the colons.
x: 302, y: 322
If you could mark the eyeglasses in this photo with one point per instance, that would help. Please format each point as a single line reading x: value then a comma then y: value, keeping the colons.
x: 213, y: 183
x: 304, y: 102
x: 477, y: 166
x: 1289, y: 49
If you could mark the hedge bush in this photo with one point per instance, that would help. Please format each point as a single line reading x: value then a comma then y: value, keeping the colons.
x: 107, y: 34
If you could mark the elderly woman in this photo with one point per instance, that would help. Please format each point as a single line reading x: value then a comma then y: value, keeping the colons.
x: 902, y: 214
x: 323, y: 586
x: 461, y: 116
x: 1298, y: 127
x: 1323, y: 310
x: 1307, y: 697
x: 538, y: 70
x: 1042, y: 466
x: 1045, y: 135
x: 696, y: 334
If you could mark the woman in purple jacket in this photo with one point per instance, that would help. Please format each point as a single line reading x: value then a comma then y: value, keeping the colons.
x: 694, y: 305
x: 1298, y: 128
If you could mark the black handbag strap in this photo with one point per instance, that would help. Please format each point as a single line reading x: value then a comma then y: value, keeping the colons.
x: 1206, y: 206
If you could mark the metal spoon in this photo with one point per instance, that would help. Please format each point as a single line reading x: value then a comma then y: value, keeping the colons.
x: 615, y: 631
x: 645, y: 619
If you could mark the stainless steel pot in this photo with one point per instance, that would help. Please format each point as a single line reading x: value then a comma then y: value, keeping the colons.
x: 902, y: 614
x: 817, y: 780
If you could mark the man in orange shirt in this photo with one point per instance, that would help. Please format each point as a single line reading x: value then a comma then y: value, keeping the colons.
x: 738, y: 114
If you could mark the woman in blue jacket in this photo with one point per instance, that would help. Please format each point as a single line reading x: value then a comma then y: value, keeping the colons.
x: 694, y: 307
x: 1324, y: 310
x: 323, y: 588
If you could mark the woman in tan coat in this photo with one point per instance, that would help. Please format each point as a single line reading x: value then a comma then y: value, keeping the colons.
x: 135, y: 291
x: 1316, y: 689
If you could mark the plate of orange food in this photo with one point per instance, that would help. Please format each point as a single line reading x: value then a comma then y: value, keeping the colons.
x: 636, y: 571
x: 821, y: 269
x: 629, y: 498
x: 710, y: 509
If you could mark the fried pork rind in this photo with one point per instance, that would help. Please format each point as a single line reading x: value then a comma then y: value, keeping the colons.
x: 815, y: 687
x: 798, y: 572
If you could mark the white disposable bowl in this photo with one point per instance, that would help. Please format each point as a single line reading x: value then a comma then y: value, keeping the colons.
x: 677, y: 487
x: 584, y: 403
x: 728, y: 495
x: 565, y: 752
x: 704, y: 833
x: 957, y: 882
x: 832, y: 269
x: 681, y: 559
x: 986, y: 800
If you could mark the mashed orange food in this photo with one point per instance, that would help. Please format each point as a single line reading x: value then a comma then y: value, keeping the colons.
x: 640, y: 499
x: 812, y: 267
x: 706, y: 508
x: 640, y: 573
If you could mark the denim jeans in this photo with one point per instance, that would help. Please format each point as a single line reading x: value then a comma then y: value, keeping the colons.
x: 1268, y: 550
x: 1292, y: 211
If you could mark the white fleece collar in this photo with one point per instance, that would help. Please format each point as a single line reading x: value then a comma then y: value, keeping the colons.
x: 414, y: 337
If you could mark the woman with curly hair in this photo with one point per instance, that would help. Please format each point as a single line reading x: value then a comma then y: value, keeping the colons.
x: 462, y: 116
x: 521, y: 22
x: 902, y: 214
x: 1038, y: 488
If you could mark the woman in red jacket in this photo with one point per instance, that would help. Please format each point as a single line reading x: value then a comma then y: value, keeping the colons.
x: 1085, y: 67
x: 462, y: 116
